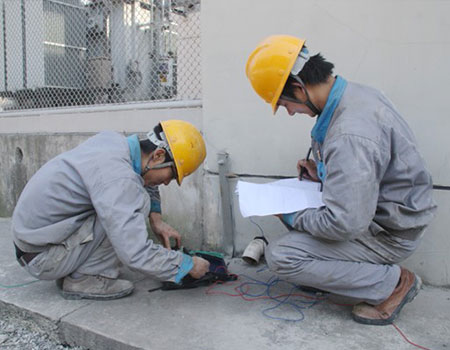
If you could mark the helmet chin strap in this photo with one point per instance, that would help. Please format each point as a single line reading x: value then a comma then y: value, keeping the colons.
x: 147, y: 167
x: 161, y: 142
x: 157, y: 166
x: 308, y: 102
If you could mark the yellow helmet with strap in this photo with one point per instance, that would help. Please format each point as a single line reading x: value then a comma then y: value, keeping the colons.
x: 269, y: 65
x: 186, y: 146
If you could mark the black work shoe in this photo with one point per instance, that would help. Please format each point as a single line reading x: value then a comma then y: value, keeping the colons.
x: 96, y: 288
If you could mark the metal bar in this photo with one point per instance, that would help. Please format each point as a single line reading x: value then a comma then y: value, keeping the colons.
x: 441, y: 187
x: 227, y: 210
x: 133, y: 32
x: 103, y: 108
x: 66, y: 4
x: 239, y: 175
x: 24, y: 45
x: 5, y: 65
x: 65, y: 46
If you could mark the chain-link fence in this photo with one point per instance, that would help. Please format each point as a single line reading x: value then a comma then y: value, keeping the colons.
x: 56, y: 53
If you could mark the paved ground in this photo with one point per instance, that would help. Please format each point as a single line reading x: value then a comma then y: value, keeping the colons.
x: 201, y: 319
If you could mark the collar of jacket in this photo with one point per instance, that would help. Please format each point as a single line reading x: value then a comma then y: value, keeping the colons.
x: 135, y: 153
x: 323, y: 120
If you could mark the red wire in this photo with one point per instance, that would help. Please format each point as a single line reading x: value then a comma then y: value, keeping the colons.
x: 209, y: 291
x: 404, y: 337
x: 239, y: 293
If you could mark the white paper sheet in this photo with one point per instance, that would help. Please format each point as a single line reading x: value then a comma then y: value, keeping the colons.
x: 278, y: 197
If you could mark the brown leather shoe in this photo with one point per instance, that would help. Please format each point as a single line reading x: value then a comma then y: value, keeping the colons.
x: 386, y: 312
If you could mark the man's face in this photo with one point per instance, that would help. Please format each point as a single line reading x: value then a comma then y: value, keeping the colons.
x: 293, y: 107
x: 155, y: 177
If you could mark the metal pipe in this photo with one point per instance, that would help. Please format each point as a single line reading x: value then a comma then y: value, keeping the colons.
x: 65, y: 46
x: 5, y: 66
x: 227, y: 210
x: 152, y: 28
x: 169, y: 28
x: 162, y: 42
x: 24, y: 45
x: 66, y: 4
x: 133, y: 32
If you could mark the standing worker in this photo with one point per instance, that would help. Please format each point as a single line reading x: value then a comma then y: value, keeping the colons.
x: 377, y: 192
x: 85, y: 211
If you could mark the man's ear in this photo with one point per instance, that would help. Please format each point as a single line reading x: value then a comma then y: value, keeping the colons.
x: 159, y: 155
x: 297, y: 85
x: 299, y: 91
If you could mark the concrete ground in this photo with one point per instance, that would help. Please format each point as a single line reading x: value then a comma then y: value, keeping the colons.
x: 204, y: 319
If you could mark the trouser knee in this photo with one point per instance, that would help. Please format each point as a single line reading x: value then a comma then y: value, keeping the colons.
x: 276, y: 258
x: 287, y: 262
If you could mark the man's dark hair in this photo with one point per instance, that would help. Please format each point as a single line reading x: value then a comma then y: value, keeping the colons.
x: 316, y: 71
x: 148, y: 147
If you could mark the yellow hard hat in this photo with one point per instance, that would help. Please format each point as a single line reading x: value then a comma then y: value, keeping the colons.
x: 186, y: 144
x: 269, y: 65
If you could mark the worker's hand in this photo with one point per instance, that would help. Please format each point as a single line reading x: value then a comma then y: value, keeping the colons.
x: 310, y: 167
x: 164, y: 231
x: 201, y: 266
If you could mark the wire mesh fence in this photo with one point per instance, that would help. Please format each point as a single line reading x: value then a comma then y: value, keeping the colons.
x: 56, y: 53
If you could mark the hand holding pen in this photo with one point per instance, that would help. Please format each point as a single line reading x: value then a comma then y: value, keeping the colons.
x: 307, y: 168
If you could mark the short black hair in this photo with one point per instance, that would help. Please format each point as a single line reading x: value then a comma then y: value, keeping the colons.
x: 148, y: 147
x: 316, y: 71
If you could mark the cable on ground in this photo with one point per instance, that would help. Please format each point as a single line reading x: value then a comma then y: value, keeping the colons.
x: 18, y: 285
x: 243, y: 290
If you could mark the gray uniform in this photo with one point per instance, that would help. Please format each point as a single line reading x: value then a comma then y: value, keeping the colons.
x: 85, y: 210
x: 378, y: 200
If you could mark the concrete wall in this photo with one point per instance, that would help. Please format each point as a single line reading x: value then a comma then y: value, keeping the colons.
x: 400, y: 47
x: 22, y: 155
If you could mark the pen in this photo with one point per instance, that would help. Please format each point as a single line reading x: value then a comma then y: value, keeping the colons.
x: 303, y: 169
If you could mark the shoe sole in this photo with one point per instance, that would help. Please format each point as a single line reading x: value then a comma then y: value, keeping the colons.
x: 79, y: 296
x: 410, y: 296
x: 312, y: 290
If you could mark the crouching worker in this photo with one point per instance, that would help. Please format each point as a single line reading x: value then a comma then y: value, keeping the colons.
x: 377, y: 192
x: 85, y: 211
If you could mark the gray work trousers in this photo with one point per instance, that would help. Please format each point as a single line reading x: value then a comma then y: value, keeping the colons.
x: 87, y: 251
x: 362, y: 268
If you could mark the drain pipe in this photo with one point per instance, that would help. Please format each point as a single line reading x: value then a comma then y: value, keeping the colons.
x: 227, y: 210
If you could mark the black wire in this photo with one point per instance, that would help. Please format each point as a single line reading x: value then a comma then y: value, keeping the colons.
x: 262, y: 232
x: 440, y: 187
x: 281, y: 177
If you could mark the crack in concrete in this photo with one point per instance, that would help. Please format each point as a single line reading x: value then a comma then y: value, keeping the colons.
x: 73, y: 311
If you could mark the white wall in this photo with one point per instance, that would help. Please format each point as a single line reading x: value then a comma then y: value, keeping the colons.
x: 400, y: 47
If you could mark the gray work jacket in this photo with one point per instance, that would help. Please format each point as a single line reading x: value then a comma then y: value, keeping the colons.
x: 94, y: 178
x: 376, y: 179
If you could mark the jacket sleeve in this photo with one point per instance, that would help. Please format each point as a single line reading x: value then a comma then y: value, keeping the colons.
x: 350, y: 191
x: 122, y: 207
x: 155, y: 198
